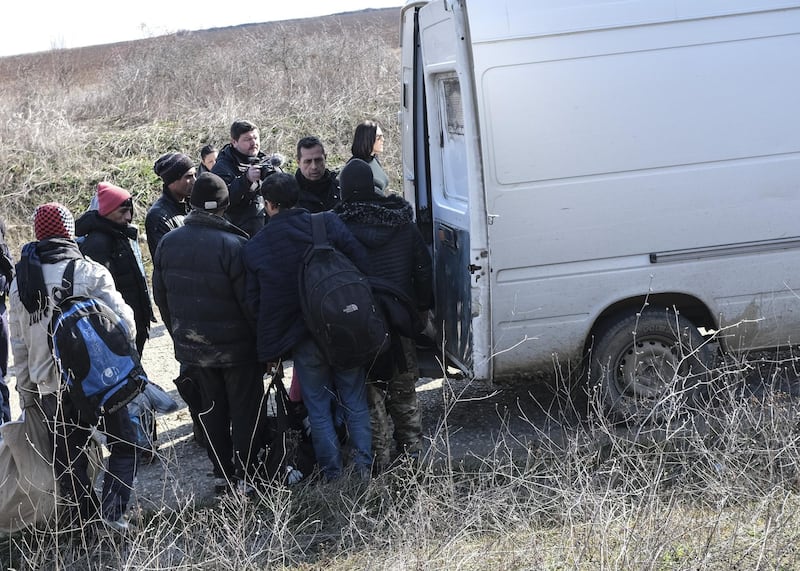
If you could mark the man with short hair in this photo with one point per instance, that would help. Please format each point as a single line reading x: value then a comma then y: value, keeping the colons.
x: 237, y: 165
x: 199, y: 286
x: 273, y: 259
x: 39, y: 273
x: 177, y: 173
x: 319, y: 187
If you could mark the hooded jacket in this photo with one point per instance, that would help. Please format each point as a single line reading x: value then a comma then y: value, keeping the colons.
x: 396, y: 250
x: 36, y: 370
x: 115, y: 246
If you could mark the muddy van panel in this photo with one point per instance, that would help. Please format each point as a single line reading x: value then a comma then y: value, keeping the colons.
x: 590, y: 156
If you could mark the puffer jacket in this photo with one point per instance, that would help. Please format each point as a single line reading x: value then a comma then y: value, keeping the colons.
x: 396, y: 249
x: 115, y: 246
x: 272, y: 259
x: 199, y: 287
x: 164, y: 215
x: 35, y: 367
x: 246, y: 209
x: 318, y: 195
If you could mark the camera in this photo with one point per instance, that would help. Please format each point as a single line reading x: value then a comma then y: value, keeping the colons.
x: 269, y: 164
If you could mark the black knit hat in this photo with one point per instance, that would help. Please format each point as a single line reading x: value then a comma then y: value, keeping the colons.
x: 172, y: 166
x: 356, y: 182
x: 209, y: 193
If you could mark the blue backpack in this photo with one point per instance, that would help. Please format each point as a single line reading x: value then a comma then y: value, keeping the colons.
x: 93, y: 349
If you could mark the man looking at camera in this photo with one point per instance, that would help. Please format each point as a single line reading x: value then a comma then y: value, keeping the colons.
x: 319, y: 187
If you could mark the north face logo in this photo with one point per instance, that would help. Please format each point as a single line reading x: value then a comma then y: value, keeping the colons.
x: 350, y: 308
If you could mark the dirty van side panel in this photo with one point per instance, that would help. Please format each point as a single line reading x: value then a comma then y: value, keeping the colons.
x: 604, y: 148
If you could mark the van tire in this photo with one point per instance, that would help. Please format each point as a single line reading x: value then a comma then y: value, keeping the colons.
x: 646, y: 366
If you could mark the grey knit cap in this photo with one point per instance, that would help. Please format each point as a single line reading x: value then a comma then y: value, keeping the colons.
x: 172, y: 166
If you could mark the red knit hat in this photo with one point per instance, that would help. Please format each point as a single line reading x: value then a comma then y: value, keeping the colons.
x: 110, y: 197
x: 53, y: 220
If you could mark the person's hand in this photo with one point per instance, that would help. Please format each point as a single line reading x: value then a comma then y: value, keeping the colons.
x: 254, y: 173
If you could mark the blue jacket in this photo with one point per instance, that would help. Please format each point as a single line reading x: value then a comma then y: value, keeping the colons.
x: 272, y: 259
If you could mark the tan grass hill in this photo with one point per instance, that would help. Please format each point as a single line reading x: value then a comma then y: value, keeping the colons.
x: 71, y: 118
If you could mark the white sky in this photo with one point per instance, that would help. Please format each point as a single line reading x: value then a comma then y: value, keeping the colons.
x: 40, y: 25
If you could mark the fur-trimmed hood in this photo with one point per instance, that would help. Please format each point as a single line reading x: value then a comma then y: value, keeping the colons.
x: 376, y: 222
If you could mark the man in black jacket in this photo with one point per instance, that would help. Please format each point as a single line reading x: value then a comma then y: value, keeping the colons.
x: 177, y: 172
x: 199, y: 287
x: 108, y: 237
x: 319, y: 187
x: 237, y: 165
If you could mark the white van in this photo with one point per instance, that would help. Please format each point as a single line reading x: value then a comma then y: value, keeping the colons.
x: 607, y: 178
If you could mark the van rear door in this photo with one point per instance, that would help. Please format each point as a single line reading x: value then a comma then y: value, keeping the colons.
x: 442, y: 177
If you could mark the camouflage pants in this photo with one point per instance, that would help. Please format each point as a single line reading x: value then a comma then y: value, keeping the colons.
x: 394, y: 403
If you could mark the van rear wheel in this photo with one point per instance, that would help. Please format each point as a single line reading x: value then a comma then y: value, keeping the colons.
x: 647, y: 365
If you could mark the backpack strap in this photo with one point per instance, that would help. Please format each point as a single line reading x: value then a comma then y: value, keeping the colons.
x: 67, y: 288
x: 318, y: 232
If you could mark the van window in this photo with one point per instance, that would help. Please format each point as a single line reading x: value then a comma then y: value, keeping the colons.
x: 454, y: 150
x: 454, y: 111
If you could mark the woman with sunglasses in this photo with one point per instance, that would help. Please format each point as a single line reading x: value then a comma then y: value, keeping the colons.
x: 107, y: 236
x: 367, y: 145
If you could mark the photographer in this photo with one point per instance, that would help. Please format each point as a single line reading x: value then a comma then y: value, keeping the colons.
x: 238, y: 164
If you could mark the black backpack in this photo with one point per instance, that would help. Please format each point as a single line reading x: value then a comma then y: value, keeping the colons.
x: 93, y: 349
x: 338, y: 304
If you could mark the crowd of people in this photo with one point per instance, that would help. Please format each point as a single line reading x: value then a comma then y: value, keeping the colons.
x: 227, y: 237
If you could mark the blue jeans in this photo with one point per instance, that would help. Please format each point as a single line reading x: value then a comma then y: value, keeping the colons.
x: 322, y: 386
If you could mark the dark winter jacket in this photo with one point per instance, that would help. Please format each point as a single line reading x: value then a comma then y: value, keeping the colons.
x: 115, y: 246
x: 273, y: 258
x: 396, y: 250
x: 401, y: 270
x: 318, y: 195
x: 246, y: 209
x: 164, y: 215
x: 199, y: 287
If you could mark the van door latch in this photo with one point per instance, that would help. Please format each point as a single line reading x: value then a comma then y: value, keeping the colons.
x: 473, y: 268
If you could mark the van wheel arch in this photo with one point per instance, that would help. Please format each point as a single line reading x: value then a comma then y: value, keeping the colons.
x: 639, y: 357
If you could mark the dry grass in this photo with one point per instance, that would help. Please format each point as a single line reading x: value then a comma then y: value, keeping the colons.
x: 72, y: 118
x: 710, y: 488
